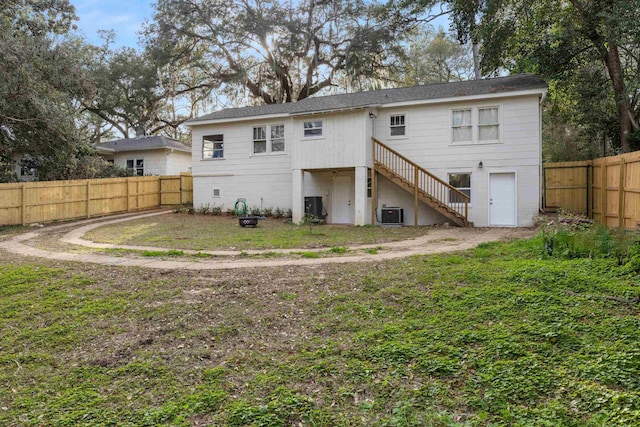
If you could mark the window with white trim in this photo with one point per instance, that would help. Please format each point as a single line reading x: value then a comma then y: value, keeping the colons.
x: 135, y: 167
x: 273, y: 144
x: 397, y: 125
x: 213, y: 146
x: 461, y: 126
x: 488, y: 126
x: 260, y: 139
x: 313, y: 128
x: 462, y: 182
x: 475, y: 125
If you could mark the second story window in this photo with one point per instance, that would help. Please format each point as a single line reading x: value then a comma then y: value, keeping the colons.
x: 313, y: 128
x: 213, y: 147
x: 462, y: 126
x: 477, y: 125
x: 260, y: 139
x: 397, y: 125
x: 273, y: 144
x: 277, y: 138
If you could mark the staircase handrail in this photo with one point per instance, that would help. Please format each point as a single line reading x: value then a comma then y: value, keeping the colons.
x: 459, y: 194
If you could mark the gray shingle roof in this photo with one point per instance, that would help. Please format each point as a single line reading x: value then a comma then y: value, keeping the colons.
x: 144, y: 143
x: 518, y: 82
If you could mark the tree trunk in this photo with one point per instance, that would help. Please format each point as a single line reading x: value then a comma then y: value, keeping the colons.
x: 475, y: 49
x: 614, y: 67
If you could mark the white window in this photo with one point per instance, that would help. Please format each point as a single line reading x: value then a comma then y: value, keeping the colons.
x: 260, y: 139
x: 213, y: 147
x: 275, y: 142
x: 397, y: 126
x: 462, y: 182
x: 277, y: 138
x: 135, y: 166
x: 475, y: 125
x: 488, y: 126
x: 313, y: 128
x: 461, y: 126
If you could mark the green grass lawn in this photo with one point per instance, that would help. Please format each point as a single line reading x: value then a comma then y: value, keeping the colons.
x: 497, y: 336
x: 206, y: 232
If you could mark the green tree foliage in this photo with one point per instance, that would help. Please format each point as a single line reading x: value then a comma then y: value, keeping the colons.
x: 38, y: 82
x: 270, y: 51
x: 578, y: 44
x: 42, y: 79
x: 133, y: 90
x: 435, y: 57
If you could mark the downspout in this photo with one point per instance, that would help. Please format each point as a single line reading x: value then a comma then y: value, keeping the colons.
x: 541, y: 167
x: 374, y: 188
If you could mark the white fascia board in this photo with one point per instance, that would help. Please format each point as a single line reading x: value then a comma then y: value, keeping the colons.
x: 104, y: 150
x: 538, y: 92
x: 236, y: 119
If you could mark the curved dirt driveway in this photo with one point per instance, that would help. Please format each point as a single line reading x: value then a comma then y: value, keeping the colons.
x: 438, y: 240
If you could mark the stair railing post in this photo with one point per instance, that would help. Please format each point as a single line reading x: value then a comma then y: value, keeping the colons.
x: 415, y: 196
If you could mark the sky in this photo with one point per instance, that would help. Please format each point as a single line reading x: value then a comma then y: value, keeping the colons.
x: 125, y: 17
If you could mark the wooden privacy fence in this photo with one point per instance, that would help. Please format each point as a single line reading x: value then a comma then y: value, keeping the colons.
x: 606, y: 189
x: 46, y: 201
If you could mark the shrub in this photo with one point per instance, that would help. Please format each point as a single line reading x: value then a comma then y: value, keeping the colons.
x: 216, y: 210
x: 268, y: 212
x: 278, y: 213
x: 204, y: 209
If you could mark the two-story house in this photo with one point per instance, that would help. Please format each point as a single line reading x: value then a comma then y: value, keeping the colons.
x: 464, y: 152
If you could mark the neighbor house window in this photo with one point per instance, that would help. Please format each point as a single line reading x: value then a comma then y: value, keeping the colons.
x: 135, y: 166
x: 260, y: 139
x: 397, y: 125
x: 475, y: 125
x: 462, y: 182
x: 213, y: 147
x: 313, y: 128
x: 275, y: 142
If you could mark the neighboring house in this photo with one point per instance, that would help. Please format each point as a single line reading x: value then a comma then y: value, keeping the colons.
x: 474, y: 147
x: 148, y: 155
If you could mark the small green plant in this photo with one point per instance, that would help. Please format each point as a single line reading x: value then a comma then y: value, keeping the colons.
x: 339, y: 249
x: 204, y: 209
x: 288, y: 213
x: 310, y: 255
x: 373, y: 251
x: 172, y: 252
x: 288, y: 296
x: 255, y: 211
x: 278, y: 213
x: 216, y: 210
x: 185, y: 208
x: 268, y: 212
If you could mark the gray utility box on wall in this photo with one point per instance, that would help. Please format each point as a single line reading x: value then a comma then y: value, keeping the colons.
x: 392, y: 216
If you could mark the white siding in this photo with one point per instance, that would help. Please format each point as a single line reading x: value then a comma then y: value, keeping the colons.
x: 178, y: 161
x: 428, y: 143
x: 264, y: 180
x: 343, y: 142
x: 155, y: 161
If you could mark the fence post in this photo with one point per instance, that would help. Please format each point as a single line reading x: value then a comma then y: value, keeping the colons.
x: 603, y: 196
x: 23, y: 213
x: 88, y: 199
x: 590, y: 191
x: 621, y: 194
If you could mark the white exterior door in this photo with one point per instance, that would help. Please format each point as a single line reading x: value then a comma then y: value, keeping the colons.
x: 502, y: 199
x: 343, y: 200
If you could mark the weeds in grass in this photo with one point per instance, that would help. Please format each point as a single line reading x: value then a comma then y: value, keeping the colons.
x: 172, y: 252
x: 339, y: 250
x: 505, y: 334
x: 309, y: 254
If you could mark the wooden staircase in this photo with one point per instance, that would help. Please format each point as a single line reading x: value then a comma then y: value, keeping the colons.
x: 424, y: 186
